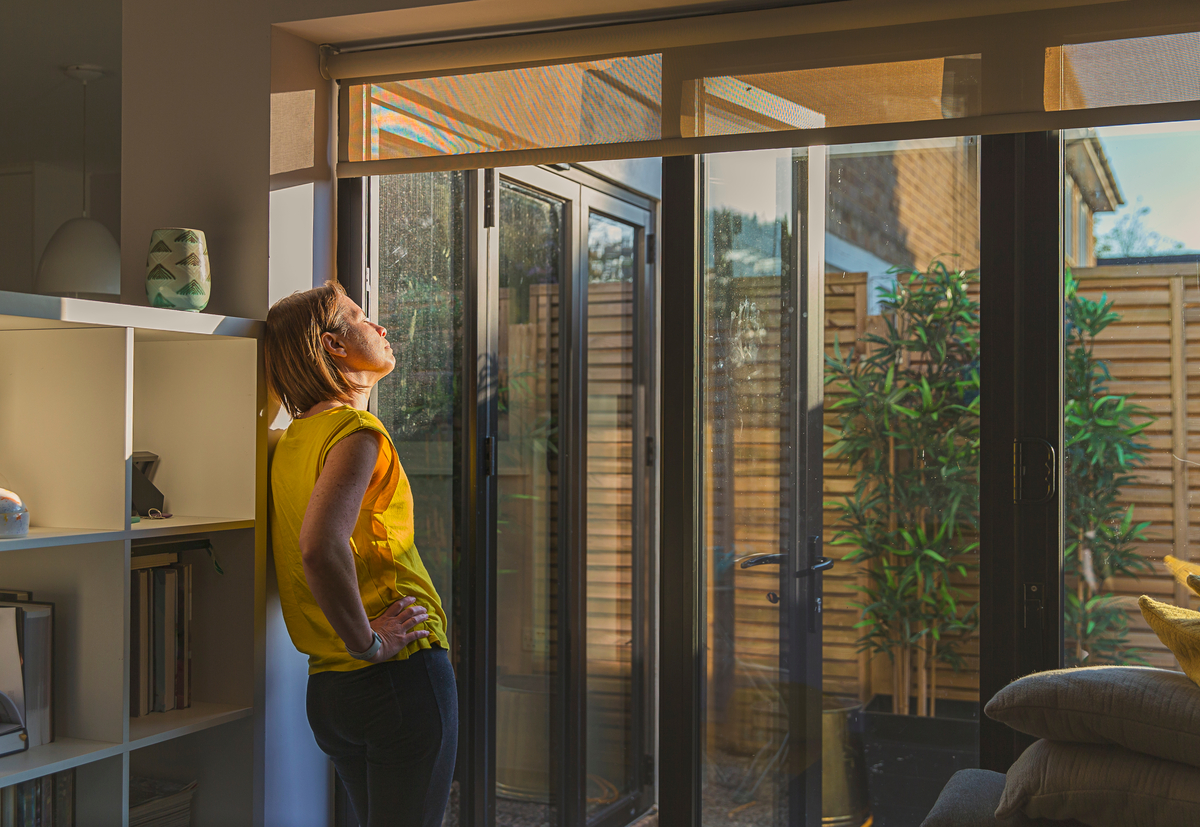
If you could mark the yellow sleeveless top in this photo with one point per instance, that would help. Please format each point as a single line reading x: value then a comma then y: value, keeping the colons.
x: 385, y: 556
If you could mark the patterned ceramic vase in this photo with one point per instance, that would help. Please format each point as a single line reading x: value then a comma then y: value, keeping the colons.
x: 177, y: 272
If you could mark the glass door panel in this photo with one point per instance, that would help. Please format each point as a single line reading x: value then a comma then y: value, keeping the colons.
x: 747, y: 384
x: 533, y: 263
x: 614, y: 548
x: 418, y: 295
x: 1131, y: 256
x: 900, y: 656
x: 824, y: 690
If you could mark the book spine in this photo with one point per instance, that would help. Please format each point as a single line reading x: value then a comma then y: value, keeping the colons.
x: 135, y: 662
x: 183, y: 650
x: 46, y: 790
x: 8, y: 806
x: 28, y: 815
x: 64, y: 798
x: 165, y: 597
x: 145, y: 650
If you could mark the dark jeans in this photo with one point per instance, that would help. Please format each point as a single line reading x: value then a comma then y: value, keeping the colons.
x: 392, y: 732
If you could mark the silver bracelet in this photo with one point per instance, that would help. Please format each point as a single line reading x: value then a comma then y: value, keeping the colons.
x: 371, y: 651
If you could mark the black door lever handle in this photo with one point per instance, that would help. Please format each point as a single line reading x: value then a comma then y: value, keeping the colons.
x: 821, y: 564
x: 763, y: 560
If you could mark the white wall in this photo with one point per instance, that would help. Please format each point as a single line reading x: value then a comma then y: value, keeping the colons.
x: 291, y: 242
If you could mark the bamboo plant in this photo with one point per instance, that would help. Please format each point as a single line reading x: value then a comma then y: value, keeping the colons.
x: 1103, y: 449
x: 908, y: 425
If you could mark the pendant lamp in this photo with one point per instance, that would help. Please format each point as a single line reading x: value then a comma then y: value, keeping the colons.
x: 81, y: 260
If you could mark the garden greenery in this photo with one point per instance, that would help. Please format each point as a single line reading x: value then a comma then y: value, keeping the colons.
x: 1103, y: 449
x: 908, y: 424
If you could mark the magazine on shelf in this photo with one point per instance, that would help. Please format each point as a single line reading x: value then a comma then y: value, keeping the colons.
x: 12, y: 686
x: 35, y: 642
x: 154, y: 802
x: 35, y: 645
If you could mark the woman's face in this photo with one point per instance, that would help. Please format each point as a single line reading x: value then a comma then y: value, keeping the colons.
x: 363, y: 353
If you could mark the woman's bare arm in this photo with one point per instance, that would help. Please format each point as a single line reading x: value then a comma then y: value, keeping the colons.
x: 328, y: 561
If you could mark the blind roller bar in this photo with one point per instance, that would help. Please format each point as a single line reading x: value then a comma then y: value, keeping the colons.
x: 655, y: 36
x: 869, y: 133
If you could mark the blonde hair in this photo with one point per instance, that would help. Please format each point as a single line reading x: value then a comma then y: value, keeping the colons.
x: 299, y: 369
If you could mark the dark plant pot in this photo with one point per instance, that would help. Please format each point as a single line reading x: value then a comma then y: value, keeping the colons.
x: 910, y: 759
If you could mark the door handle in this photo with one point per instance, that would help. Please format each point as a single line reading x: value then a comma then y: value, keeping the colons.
x: 820, y: 564
x: 762, y: 560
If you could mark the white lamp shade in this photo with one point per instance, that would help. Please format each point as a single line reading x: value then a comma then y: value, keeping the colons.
x: 82, y: 260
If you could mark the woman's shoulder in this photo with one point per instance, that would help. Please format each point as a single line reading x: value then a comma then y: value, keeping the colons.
x: 347, y: 420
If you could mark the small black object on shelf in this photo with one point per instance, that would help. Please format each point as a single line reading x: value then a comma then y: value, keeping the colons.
x: 146, y: 495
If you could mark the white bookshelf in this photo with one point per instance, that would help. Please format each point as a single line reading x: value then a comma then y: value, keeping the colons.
x: 82, y: 386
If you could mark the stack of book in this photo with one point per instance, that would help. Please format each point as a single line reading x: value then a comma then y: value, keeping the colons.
x: 154, y: 802
x: 48, y: 801
x: 26, y: 671
x: 160, y: 646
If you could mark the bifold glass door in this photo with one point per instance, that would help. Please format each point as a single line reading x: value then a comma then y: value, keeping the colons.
x: 571, y: 533
x: 548, y: 291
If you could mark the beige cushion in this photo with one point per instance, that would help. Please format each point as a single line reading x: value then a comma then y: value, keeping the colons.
x: 1102, y: 786
x: 1153, y: 711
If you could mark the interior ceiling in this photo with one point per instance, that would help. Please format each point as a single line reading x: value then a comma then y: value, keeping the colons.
x: 41, y: 108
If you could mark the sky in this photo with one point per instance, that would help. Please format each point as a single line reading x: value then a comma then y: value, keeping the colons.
x: 1160, y: 164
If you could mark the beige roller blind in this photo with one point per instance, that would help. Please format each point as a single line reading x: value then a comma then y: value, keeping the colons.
x: 749, y: 80
x: 1134, y: 71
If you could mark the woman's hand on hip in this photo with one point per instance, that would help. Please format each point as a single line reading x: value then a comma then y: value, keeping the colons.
x: 396, y: 627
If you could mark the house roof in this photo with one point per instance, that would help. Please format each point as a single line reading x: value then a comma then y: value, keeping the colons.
x: 1087, y: 163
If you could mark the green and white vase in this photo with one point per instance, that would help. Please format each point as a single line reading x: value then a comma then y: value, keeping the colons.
x: 177, y: 271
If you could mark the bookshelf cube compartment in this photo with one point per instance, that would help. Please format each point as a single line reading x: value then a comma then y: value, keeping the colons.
x: 99, y: 793
x: 64, y: 425
x: 223, y: 620
x: 220, y: 760
x: 88, y: 586
x: 194, y: 405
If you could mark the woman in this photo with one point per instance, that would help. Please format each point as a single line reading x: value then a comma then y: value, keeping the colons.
x: 356, y: 597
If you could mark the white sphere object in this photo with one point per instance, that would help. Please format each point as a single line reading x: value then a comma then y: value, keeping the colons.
x: 14, y: 517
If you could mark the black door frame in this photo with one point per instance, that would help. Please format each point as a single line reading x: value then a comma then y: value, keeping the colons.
x: 1021, y: 401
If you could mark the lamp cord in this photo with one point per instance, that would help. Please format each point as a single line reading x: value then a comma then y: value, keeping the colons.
x: 83, y: 194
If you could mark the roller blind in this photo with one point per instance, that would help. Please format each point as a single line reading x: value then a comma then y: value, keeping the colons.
x: 614, y: 100
x: 1133, y: 71
x: 677, y: 87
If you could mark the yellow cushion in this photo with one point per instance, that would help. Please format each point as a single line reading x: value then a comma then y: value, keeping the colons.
x: 1178, y: 629
x: 1185, y: 571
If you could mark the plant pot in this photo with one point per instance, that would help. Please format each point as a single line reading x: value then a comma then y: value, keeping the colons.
x: 910, y: 758
x: 843, y: 781
x: 522, y: 736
